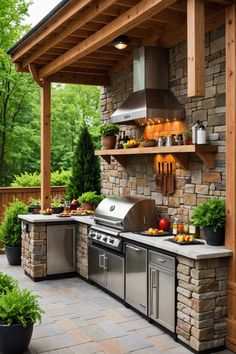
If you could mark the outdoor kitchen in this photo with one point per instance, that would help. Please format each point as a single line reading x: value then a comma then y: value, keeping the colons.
x: 171, y: 102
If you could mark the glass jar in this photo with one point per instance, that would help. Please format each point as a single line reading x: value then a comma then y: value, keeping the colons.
x: 180, y: 228
x: 186, y: 228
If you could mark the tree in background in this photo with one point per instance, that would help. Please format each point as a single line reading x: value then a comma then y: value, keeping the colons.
x: 85, y: 169
x: 17, y: 91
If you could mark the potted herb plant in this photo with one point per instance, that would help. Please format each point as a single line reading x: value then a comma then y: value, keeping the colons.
x: 57, y: 206
x: 19, y: 310
x: 187, y: 136
x: 10, y: 231
x: 34, y: 205
x: 108, y: 132
x: 211, y: 216
x: 89, y: 200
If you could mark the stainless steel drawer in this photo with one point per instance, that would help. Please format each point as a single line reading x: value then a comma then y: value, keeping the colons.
x: 162, y: 260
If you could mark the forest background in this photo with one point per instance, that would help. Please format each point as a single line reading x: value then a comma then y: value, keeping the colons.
x: 72, y: 106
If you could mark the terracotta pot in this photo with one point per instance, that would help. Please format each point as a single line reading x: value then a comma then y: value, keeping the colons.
x: 187, y: 140
x: 87, y: 206
x: 108, y: 142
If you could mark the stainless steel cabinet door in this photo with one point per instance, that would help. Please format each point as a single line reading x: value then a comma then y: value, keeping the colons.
x: 96, y: 264
x: 162, y: 297
x: 136, y: 277
x: 114, y: 266
x: 60, y: 249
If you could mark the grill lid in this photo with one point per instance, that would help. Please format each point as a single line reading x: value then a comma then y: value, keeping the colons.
x: 126, y: 213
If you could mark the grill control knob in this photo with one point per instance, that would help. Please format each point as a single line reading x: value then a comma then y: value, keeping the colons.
x: 104, y: 239
x: 112, y: 240
x: 98, y: 237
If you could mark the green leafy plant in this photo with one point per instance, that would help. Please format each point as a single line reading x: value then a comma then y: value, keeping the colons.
x: 7, y: 283
x: 19, y: 307
x: 210, y: 214
x: 187, y: 133
x: 10, y: 229
x: 109, y: 129
x: 33, y: 201
x: 27, y: 179
x: 90, y: 197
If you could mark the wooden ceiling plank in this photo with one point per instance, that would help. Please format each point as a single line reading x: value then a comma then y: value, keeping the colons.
x: 82, y: 79
x: 134, y: 16
x: 196, y: 47
x: 46, y: 30
x: 81, y: 20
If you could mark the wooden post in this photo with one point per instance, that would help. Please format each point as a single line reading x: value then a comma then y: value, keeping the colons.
x: 196, y: 48
x: 230, y: 241
x: 45, y: 145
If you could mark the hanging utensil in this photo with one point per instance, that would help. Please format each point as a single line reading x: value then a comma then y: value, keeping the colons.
x: 158, y: 178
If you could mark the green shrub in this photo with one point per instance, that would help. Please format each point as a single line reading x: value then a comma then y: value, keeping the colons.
x: 7, y: 283
x: 19, y: 307
x: 10, y: 229
x: 210, y: 214
x: 27, y: 179
x: 109, y: 129
x: 90, y: 197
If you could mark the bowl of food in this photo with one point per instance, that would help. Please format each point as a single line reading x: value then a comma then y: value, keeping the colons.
x: 148, y: 142
x: 132, y: 143
x: 47, y: 211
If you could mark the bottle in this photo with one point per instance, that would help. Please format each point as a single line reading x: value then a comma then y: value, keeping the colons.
x: 195, y: 128
x: 175, y: 226
x: 180, y: 228
x: 186, y: 229
x: 192, y: 230
x: 201, y: 135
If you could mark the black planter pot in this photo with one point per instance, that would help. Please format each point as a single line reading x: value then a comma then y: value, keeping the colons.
x: 57, y: 210
x: 15, y: 339
x: 13, y: 254
x: 34, y: 209
x: 214, y: 238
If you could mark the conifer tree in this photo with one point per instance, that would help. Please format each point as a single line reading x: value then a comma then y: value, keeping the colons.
x: 85, y: 167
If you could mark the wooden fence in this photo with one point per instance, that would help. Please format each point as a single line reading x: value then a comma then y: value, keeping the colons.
x: 8, y: 194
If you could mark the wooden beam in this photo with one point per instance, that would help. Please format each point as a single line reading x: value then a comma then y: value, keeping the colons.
x: 196, y: 47
x: 46, y: 144
x: 97, y: 8
x: 50, y: 26
x: 82, y: 79
x: 34, y: 74
x: 230, y: 235
x: 132, y: 17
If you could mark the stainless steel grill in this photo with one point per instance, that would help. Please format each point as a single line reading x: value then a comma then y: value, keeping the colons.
x: 120, y: 214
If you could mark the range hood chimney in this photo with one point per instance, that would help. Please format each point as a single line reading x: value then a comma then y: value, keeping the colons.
x: 151, y: 101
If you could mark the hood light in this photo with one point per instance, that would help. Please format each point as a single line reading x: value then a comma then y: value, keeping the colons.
x: 120, y: 42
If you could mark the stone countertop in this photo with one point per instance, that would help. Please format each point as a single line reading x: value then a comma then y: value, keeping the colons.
x: 38, y: 218
x: 190, y: 251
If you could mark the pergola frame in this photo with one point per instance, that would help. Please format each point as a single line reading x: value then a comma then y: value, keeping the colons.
x: 73, y: 45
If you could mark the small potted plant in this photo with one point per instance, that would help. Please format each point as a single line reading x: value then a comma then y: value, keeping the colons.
x: 211, y: 216
x: 34, y: 205
x: 19, y: 310
x: 57, y: 206
x: 89, y: 200
x: 108, y: 132
x: 187, y: 136
x: 146, y: 142
x: 10, y: 231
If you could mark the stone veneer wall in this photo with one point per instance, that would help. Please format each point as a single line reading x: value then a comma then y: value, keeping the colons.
x: 201, y: 302
x: 34, y: 248
x: 197, y: 184
x: 82, y: 249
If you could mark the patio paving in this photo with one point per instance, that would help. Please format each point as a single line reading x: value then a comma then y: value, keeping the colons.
x: 79, y: 318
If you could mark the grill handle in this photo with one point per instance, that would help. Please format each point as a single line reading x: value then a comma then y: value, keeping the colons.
x: 107, y: 221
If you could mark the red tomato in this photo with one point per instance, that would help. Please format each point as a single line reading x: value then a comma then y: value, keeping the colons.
x: 164, y: 224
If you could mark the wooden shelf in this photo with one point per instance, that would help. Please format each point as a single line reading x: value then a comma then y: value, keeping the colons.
x: 181, y: 153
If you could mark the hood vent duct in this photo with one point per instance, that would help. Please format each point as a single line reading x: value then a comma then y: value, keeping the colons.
x: 151, y: 101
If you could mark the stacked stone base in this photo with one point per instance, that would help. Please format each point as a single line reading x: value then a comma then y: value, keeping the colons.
x: 34, y: 245
x: 82, y: 249
x: 201, y: 302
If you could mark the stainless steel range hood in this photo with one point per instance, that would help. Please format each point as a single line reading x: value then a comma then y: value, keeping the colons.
x: 151, y: 101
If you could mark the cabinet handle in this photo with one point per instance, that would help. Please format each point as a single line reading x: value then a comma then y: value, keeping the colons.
x: 154, y: 283
x: 133, y: 248
x: 161, y: 260
x: 100, y: 258
x: 105, y: 267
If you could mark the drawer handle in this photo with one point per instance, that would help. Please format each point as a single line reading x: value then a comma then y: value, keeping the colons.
x: 100, y: 258
x: 133, y: 248
x: 161, y: 260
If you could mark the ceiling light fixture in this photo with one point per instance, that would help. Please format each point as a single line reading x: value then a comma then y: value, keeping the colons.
x: 120, y: 42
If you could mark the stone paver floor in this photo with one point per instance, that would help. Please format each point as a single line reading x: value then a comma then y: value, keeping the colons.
x: 79, y: 318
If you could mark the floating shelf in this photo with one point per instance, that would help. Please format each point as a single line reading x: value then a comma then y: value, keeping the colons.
x: 206, y: 153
